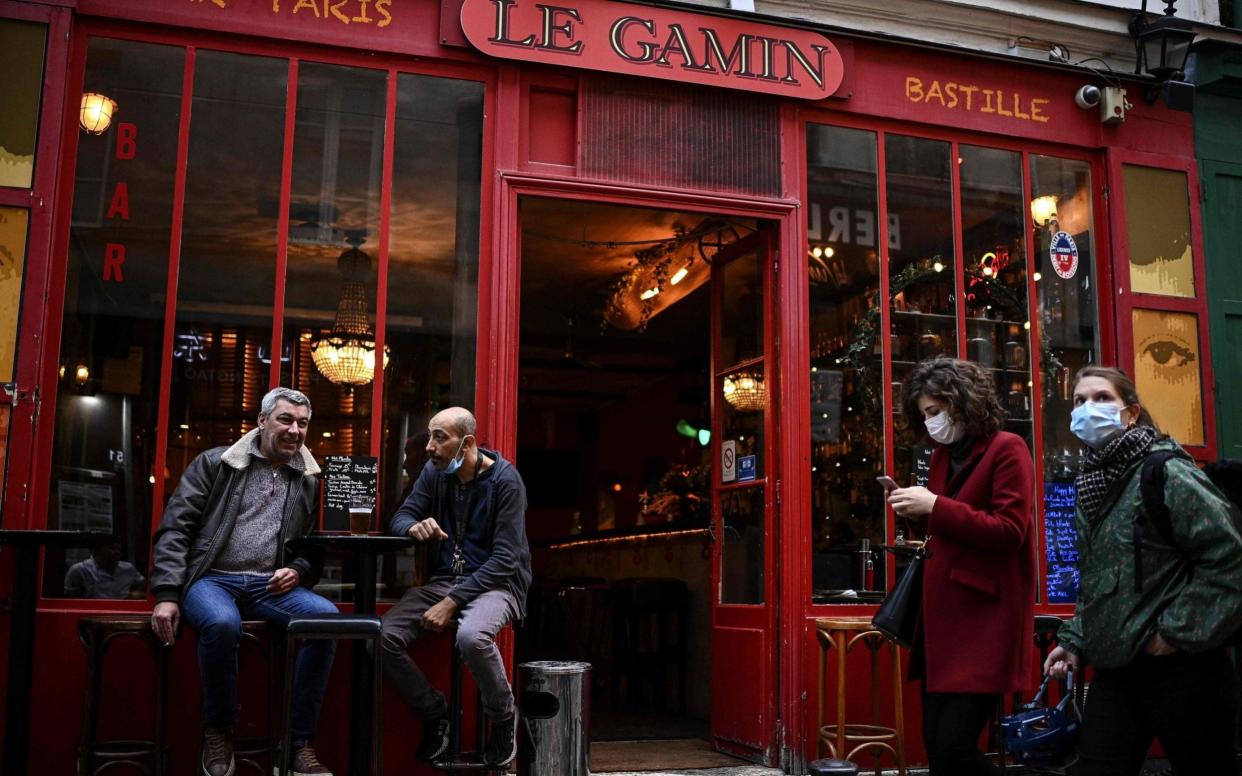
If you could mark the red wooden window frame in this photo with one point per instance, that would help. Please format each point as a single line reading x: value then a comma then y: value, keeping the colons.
x: 38, y: 199
x: 1105, y: 314
x: 294, y: 53
x: 1126, y: 301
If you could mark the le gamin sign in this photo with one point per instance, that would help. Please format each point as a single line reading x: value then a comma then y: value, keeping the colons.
x: 657, y: 43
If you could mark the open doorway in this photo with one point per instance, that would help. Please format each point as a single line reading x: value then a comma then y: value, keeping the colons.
x: 614, y: 443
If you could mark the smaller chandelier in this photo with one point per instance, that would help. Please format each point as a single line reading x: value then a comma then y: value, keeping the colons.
x: 346, y: 354
x: 745, y: 391
x: 96, y: 113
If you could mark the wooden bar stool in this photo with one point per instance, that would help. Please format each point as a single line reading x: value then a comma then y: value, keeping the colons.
x: 151, y: 755
x: 844, y: 740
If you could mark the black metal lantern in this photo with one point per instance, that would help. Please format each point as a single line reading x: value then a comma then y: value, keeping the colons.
x: 1161, y: 46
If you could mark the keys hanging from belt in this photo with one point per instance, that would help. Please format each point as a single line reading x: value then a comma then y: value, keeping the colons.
x: 459, y: 563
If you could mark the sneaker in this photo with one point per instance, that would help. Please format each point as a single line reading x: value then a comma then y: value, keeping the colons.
x: 305, y: 763
x: 217, y: 757
x: 501, y: 745
x: 435, y: 738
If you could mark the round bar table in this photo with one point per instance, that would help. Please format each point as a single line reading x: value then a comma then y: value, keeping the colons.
x: 365, y: 548
x: 26, y: 544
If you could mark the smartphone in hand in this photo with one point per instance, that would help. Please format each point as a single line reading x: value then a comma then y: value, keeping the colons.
x: 887, y: 482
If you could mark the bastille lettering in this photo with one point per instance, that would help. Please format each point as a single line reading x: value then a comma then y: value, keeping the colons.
x: 657, y: 43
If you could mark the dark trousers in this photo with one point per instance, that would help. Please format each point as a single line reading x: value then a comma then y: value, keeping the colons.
x: 1184, y: 700
x: 952, y: 724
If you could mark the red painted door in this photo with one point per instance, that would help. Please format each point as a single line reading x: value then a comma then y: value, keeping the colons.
x: 743, y: 654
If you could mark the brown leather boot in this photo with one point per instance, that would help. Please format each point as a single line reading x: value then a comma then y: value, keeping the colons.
x: 305, y: 763
x: 217, y: 757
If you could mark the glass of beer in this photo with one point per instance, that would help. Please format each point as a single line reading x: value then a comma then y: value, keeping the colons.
x: 360, y: 509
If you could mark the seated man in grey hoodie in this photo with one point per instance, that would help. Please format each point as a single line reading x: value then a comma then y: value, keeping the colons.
x: 471, y: 503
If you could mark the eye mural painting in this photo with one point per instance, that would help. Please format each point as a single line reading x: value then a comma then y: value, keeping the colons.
x: 657, y: 43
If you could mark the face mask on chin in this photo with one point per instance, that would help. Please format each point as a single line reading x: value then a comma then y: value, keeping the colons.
x: 458, y: 458
x: 943, y: 430
x: 1096, y: 423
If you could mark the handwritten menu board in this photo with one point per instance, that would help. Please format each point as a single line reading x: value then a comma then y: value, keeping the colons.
x: 922, y: 465
x: 346, y: 477
x: 1060, y: 541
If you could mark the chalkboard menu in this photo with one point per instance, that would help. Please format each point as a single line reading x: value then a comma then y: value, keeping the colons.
x: 922, y: 464
x: 346, y: 477
x: 1060, y: 542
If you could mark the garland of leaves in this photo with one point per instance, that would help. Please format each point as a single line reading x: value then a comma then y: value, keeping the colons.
x: 657, y: 260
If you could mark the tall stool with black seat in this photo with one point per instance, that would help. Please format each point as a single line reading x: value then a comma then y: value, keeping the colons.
x: 335, y: 627
x: 150, y: 756
x: 843, y: 739
x: 650, y: 627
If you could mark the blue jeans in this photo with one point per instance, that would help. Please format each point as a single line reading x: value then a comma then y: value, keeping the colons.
x: 215, y: 606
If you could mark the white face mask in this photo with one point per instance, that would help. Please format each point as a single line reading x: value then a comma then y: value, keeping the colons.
x: 943, y: 430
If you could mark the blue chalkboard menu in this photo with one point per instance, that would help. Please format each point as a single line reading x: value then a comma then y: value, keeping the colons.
x: 1060, y: 542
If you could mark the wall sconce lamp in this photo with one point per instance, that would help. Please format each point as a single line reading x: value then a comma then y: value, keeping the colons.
x: 96, y: 113
x: 1161, y: 48
x: 1044, y: 210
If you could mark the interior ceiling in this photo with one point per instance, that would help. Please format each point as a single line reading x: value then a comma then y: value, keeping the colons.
x: 572, y: 253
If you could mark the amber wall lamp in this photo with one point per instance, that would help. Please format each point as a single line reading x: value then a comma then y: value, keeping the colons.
x: 96, y: 112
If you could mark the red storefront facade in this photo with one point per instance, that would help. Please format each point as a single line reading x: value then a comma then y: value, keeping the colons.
x: 914, y: 183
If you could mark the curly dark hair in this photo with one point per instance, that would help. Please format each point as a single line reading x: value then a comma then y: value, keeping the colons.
x: 967, y: 389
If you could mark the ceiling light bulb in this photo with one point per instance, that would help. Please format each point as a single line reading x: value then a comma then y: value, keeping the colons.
x: 679, y: 275
x: 650, y: 292
x: 817, y: 251
x: 938, y: 267
x: 828, y: 253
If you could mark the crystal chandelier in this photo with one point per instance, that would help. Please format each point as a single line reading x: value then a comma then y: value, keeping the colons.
x: 346, y: 354
x: 745, y: 391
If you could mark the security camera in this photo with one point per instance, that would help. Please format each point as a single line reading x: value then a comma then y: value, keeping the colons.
x: 1087, y: 96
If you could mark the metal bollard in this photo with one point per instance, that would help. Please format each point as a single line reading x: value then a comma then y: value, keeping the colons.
x: 555, y: 705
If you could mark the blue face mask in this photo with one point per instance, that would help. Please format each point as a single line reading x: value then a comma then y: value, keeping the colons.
x: 452, y: 466
x: 1096, y: 423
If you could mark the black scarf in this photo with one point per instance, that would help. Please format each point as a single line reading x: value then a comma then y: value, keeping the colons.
x: 1104, y: 466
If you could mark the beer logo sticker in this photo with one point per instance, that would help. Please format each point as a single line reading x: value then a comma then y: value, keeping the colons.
x: 1064, y: 255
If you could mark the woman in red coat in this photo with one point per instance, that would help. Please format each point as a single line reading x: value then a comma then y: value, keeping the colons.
x: 975, y: 639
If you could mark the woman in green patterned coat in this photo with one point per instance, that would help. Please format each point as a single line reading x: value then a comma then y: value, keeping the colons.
x: 1155, y: 640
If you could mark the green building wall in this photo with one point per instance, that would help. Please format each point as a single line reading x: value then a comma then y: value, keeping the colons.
x: 1217, y: 71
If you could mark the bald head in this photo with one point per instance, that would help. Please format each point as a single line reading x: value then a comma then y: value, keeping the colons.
x: 459, y: 420
x: 450, y: 435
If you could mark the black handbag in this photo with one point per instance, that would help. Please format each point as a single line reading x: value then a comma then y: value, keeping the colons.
x: 899, y: 614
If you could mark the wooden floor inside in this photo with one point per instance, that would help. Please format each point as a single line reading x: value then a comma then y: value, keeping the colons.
x: 676, y: 754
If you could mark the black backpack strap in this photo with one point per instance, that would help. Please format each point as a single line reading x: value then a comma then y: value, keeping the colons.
x: 1151, y: 488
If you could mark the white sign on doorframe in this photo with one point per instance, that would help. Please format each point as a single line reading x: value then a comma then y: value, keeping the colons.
x: 728, y: 460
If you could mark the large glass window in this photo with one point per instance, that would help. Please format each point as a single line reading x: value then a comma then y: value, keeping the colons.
x: 922, y: 288
x: 1061, y: 213
x: 103, y: 459
x: 227, y: 292
x: 961, y: 282
x: 227, y: 278
x: 847, y: 406
x: 338, y: 155
x: 994, y: 282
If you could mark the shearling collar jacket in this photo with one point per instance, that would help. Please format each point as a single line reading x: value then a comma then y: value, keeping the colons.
x: 196, y: 525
